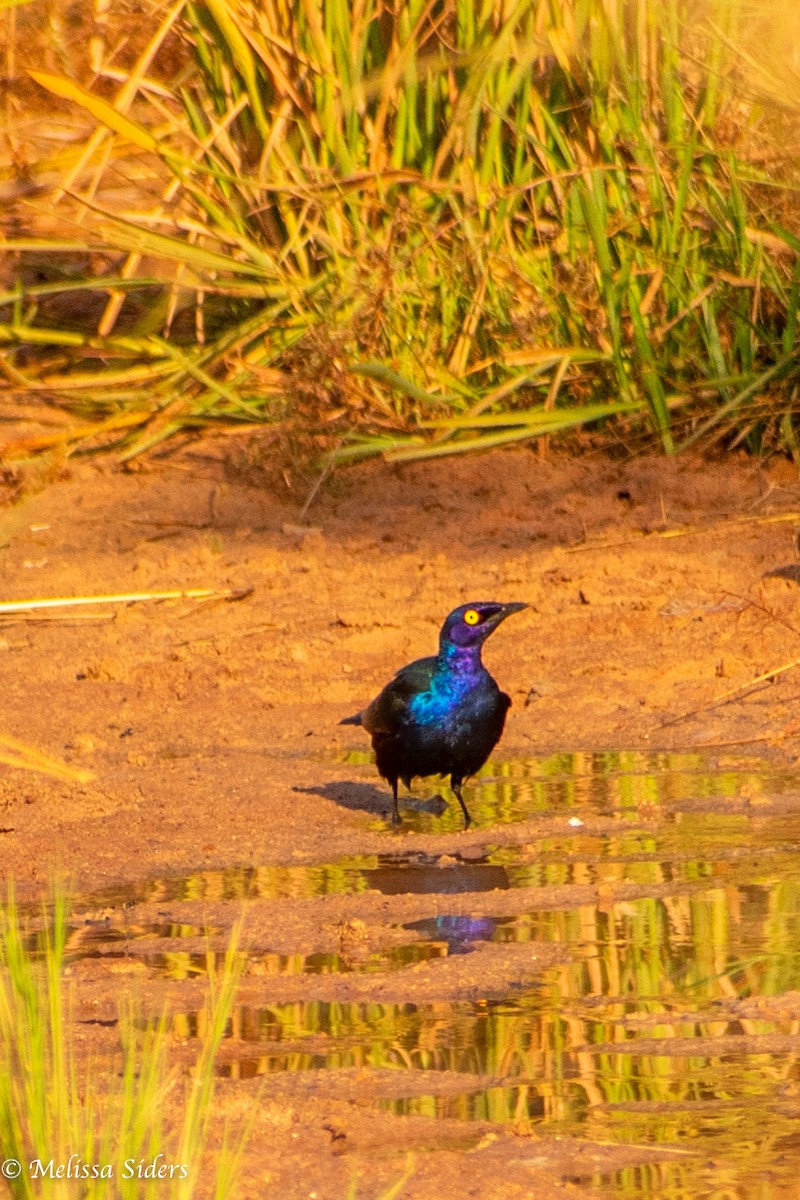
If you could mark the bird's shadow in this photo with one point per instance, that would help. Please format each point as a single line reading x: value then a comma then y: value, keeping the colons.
x: 790, y: 572
x: 365, y: 797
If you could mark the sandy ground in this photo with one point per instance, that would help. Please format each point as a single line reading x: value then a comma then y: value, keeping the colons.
x: 656, y: 588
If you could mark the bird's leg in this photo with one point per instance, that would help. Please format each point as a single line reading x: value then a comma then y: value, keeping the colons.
x: 395, y: 809
x: 455, y: 784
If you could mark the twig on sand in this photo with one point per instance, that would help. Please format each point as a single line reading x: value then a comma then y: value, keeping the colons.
x: 737, y: 693
x: 679, y: 531
x: 21, y: 606
x: 16, y: 754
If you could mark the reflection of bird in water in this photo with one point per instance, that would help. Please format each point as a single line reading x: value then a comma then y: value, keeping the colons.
x: 459, y: 933
x: 442, y: 715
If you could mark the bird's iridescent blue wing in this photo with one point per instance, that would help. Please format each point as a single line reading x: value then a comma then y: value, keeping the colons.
x: 390, y: 710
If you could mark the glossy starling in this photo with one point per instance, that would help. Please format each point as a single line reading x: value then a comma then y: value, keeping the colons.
x: 442, y: 715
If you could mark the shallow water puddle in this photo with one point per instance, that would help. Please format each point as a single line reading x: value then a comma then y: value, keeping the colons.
x: 629, y: 971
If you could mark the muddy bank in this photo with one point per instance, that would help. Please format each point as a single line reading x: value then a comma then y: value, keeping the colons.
x: 655, y: 587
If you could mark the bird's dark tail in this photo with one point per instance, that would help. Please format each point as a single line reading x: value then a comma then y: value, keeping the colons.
x: 356, y: 720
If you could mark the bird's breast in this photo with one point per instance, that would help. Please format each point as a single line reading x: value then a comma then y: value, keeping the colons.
x: 452, y: 697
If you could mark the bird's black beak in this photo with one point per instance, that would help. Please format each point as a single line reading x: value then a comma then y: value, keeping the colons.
x: 502, y: 611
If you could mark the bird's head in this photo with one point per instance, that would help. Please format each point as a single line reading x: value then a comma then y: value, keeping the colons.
x: 469, y: 625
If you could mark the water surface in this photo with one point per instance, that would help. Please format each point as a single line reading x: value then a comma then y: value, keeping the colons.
x: 673, y: 1017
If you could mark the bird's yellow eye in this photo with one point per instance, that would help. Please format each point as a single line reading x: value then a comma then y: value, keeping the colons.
x: 472, y: 616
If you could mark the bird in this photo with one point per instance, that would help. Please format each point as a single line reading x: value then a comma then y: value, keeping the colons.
x: 441, y: 715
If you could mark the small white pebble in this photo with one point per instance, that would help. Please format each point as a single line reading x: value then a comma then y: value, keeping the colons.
x: 576, y: 822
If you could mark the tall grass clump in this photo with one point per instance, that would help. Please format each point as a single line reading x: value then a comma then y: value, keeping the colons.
x: 422, y: 229
x: 102, y: 1125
